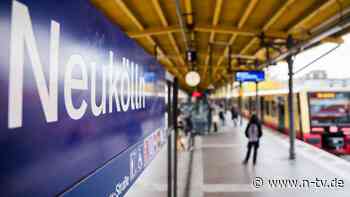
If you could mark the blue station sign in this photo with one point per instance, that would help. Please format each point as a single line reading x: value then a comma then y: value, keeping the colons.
x: 82, y: 105
x: 254, y: 76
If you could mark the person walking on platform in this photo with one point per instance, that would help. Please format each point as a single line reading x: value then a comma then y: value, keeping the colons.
x: 210, y: 117
x: 222, y: 114
x: 253, y: 132
x: 216, y: 119
x: 181, y: 126
x: 234, y: 115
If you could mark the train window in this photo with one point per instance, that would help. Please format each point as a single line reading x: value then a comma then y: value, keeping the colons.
x: 273, y: 108
x: 267, y: 107
x: 251, y: 104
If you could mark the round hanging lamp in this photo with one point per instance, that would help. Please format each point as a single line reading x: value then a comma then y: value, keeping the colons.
x: 192, y: 78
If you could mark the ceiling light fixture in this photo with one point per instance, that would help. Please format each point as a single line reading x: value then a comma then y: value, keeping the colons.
x: 192, y: 78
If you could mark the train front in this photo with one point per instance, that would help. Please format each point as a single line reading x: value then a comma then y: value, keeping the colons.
x: 330, y: 119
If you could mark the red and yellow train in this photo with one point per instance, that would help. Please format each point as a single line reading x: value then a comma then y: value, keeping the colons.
x: 322, y: 118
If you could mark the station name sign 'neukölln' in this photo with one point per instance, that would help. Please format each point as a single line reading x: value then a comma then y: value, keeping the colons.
x: 82, y: 104
x: 128, y: 94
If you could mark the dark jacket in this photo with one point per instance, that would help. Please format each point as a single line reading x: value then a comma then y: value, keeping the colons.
x: 257, y: 123
x: 234, y: 113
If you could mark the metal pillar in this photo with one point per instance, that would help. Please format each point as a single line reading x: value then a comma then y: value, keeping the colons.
x: 170, y: 160
x: 175, y: 94
x: 257, y: 99
x: 240, y: 103
x: 290, y: 62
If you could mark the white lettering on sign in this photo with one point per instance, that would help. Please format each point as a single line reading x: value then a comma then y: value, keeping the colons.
x: 123, y: 84
x: 22, y: 34
x: 120, y: 187
x: 75, y: 84
x: 113, y: 92
x: 97, y: 110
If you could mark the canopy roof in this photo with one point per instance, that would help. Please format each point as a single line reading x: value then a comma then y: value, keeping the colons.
x: 212, y: 28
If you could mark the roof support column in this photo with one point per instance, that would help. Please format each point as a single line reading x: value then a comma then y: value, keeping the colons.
x: 290, y: 61
x: 169, y: 144
x: 257, y: 102
x: 240, y: 103
x: 176, y: 134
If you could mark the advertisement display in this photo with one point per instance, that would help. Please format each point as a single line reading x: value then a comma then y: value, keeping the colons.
x: 82, y: 105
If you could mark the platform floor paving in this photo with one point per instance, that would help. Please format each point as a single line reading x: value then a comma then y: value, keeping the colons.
x: 217, y: 169
x: 214, y: 169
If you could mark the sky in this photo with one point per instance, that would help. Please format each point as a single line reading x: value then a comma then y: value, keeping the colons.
x: 336, y: 64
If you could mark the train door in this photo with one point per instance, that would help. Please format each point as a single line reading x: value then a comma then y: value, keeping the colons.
x: 281, y: 114
x: 250, y: 104
x: 262, y: 107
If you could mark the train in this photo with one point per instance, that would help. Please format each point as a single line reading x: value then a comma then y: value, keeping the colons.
x: 322, y: 117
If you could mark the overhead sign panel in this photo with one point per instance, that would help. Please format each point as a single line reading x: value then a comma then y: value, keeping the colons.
x: 254, y: 76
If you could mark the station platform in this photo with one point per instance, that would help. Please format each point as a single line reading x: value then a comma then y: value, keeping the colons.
x: 214, y: 169
x: 217, y: 169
